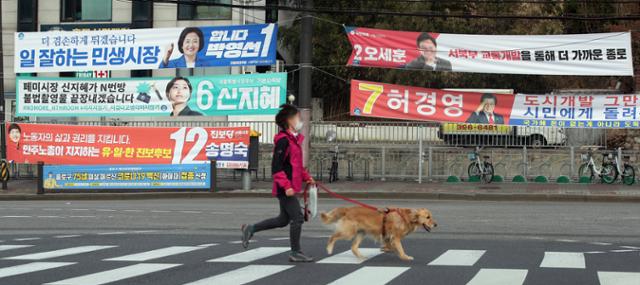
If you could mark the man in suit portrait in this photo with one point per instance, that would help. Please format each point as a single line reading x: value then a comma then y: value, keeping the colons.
x: 428, y: 58
x: 484, y: 114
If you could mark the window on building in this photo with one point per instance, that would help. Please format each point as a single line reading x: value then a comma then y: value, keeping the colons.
x: 85, y: 10
x: 27, y: 15
x: 204, y: 12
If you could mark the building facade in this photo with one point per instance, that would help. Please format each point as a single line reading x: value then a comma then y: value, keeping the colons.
x: 46, y: 15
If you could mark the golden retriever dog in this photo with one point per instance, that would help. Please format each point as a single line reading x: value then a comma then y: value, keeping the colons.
x: 354, y: 223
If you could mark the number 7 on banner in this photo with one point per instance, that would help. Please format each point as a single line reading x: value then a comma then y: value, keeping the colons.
x: 376, y: 91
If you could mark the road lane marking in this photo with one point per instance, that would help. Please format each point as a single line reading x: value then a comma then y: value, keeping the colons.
x: 134, y: 211
x: 251, y: 255
x: 618, y: 278
x: 15, y: 217
x: 347, y: 257
x: 594, y: 252
x: 26, y: 239
x: 239, y: 241
x: 566, y: 240
x: 555, y: 259
x: 191, y: 212
x: 30, y: 267
x: 156, y: 253
x: 498, y: 277
x: 110, y: 233
x: 207, y: 245
x: 160, y: 211
x: 623, y: 250
x: 371, y: 275
x: 79, y: 209
x: 242, y: 275
x: 280, y: 238
x: 630, y: 247
x: 106, y: 210
x: 66, y: 236
x: 60, y: 252
x: 458, y: 257
x: 600, y: 243
x: 13, y: 246
x: 115, y: 274
x: 49, y: 217
x: 144, y: 231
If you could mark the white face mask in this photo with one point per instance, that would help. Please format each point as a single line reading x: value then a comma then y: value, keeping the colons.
x: 298, y: 126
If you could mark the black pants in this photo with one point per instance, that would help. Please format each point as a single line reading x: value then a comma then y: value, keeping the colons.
x: 290, y: 212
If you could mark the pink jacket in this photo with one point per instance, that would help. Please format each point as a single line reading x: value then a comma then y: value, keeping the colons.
x: 286, y: 168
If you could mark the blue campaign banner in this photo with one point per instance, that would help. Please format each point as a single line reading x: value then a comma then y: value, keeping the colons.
x: 154, y: 176
x: 134, y: 49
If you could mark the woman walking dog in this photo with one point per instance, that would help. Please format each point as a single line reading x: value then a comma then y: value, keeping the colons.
x: 288, y: 174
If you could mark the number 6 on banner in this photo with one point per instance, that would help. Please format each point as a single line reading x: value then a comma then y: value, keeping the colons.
x: 376, y: 91
x: 180, y: 138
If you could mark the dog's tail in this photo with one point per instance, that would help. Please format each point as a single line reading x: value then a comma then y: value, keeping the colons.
x: 333, y: 216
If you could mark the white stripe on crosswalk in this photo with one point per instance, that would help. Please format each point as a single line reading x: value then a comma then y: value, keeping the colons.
x: 30, y: 267
x: 618, y: 278
x: 115, y: 274
x: 498, y: 277
x: 242, y: 275
x: 13, y: 246
x: 555, y: 259
x: 156, y: 253
x: 251, y: 255
x: 60, y: 252
x: 458, y: 257
x: 347, y: 257
x: 371, y: 275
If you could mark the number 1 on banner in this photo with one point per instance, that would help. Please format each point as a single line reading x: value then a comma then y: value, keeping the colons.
x: 197, y: 135
x: 267, y: 32
x: 376, y: 91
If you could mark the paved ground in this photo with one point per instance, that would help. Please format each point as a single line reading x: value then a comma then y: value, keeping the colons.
x: 179, y: 241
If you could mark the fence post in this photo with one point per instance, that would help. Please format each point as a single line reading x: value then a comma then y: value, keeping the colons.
x: 430, y: 160
x: 40, y: 180
x: 420, y: 156
x: 525, y: 162
x: 383, y: 163
x: 573, y: 161
x: 213, y: 175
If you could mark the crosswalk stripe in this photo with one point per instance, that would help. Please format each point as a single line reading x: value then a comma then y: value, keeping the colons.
x: 347, y: 257
x: 30, y: 267
x: 458, y: 257
x: 60, y: 252
x: 251, y: 255
x: 242, y: 275
x: 371, y: 275
x: 115, y: 274
x: 156, y: 253
x: 618, y: 278
x: 555, y: 259
x: 13, y: 246
x: 498, y: 277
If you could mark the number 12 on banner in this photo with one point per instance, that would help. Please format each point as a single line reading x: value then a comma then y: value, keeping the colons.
x: 197, y: 135
x: 376, y: 91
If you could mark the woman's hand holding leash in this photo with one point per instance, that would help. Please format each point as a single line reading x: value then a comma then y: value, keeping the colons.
x: 289, y: 192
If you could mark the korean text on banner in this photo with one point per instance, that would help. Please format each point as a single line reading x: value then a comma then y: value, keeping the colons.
x: 94, y: 145
x: 57, y: 51
x: 161, y: 176
x: 576, y: 54
x: 246, y: 94
x: 373, y: 99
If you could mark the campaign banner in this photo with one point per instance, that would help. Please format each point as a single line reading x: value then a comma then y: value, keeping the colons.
x: 94, y: 145
x: 85, y: 50
x: 575, y: 54
x: 373, y: 99
x: 245, y: 94
x: 97, y: 177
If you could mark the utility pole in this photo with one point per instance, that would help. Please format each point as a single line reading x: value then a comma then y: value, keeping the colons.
x: 3, y: 145
x: 304, y: 93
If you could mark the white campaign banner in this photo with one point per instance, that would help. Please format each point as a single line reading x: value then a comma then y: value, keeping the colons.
x: 575, y: 54
x: 189, y: 47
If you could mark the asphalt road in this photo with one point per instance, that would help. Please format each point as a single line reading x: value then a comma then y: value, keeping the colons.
x: 188, y: 240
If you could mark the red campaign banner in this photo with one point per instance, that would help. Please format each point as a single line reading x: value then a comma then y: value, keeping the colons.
x: 374, y: 99
x: 64, y: 144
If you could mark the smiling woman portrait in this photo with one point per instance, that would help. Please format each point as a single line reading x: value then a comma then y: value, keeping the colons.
x: 190, y: 42
x: 178, y: 91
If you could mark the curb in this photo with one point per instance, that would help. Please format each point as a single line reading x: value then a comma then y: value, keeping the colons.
x: 357, y: 195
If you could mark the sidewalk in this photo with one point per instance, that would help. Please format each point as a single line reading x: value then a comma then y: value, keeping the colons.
x: 374, y: 189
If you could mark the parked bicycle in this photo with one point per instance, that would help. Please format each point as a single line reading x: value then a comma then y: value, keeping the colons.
x: 606, y: 172
x: 480, y: 167
x: 333, y: 171
x: 622, y: 168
